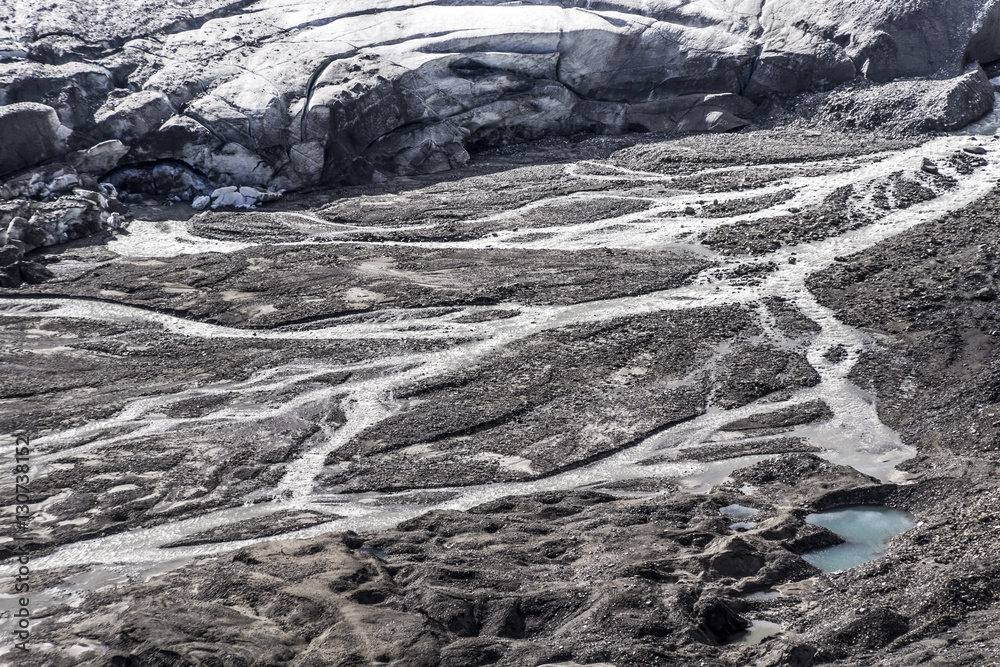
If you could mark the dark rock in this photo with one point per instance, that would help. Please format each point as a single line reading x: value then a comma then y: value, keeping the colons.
x: 10, y: 255
x: 10, y: 276
x: 734, y: 557
x: 717, y: 617
x: 29, y: 134
x: 34, y: 273
x: 913, y: 106
x: 787, y: 654
x: 31, y: 235
x: 874, y: 628
x: 986, y: 294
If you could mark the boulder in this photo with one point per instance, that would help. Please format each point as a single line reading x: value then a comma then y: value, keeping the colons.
x: 10, y: 276
x: 793, y: 61
x: 10, y: 255
x: 33, y: 224
x: 31, y: 235
x: 74, y: 89
x: 717, y: 618
x: 34, y: 273
x: 100, y: 158
x: 29, y: 134
x: 874, y: 628
x: 913, y: 106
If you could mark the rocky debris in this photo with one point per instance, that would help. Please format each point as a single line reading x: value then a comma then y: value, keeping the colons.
x: 111, y: 489
x: 551, y: 427
x: 923, y: 295
x: 840, y: 212
x: 281, y: 100
x: 28, y: 225
x: 14, y: 269
x: 720, y: 451
x: 59, y: 201
x: 82, y: 213
x: 248, y: 288
x: 557, y: 577
x: 910, y: 107
x: 752, y: 371
x: 933, y: 372
x: 100, y: 158
x: 80, y: 168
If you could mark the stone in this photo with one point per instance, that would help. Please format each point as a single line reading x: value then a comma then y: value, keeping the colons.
x: 63, y: 183
x: 100, y: 158
x: 34, y: 273
x: 133, y: 116
x: 10, y: 276
x: 717, y: 617
x: 29, y: 134
x: 75, y: 89
x: 10, y: 255
x: 32, y: 236
x: 986, y: 294
x: 912, y: 107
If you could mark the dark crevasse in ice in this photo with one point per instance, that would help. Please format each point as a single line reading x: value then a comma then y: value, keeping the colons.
x: 865, y: 529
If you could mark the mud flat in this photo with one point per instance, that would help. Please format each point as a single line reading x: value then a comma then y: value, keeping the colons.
x: 492, y: 417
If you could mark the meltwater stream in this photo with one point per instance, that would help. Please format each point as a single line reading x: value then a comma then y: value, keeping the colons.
x: 853, y: 436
